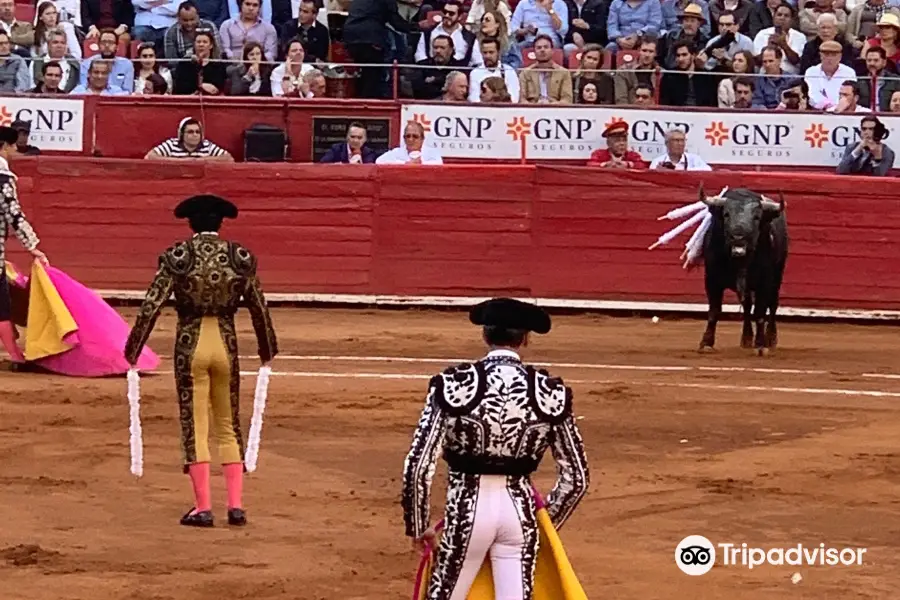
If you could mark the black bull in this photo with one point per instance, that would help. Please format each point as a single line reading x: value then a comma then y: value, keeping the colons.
x: 745, y: 249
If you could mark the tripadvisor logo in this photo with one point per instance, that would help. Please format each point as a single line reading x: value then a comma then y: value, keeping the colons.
x: 696, y: 555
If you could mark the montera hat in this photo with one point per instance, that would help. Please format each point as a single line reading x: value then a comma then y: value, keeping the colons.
x: 510, y: 314
x: 617, y: 128
x: 206, y: 204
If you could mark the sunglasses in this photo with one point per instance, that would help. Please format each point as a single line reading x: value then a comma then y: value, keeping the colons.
x: 411, y: 136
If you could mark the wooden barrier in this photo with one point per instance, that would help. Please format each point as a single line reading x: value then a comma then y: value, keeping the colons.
x: 548, y: 232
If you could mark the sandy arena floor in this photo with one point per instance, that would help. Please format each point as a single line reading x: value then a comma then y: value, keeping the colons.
x: 802, y: 452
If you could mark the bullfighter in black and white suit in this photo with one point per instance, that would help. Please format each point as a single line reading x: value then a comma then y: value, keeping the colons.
x: 494, y: 419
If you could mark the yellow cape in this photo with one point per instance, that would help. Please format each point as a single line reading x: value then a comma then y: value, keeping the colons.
x: 554, y: 578
x: 48, y: 319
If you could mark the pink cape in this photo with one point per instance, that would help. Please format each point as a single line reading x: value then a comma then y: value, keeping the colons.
x: 96, y: 348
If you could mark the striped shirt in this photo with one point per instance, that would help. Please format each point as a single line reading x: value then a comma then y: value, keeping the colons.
x: 172, y: 148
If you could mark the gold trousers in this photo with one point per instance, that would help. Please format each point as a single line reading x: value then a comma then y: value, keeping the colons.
x: 208, y: 384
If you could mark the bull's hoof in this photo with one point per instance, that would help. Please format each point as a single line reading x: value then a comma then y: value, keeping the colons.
x: 747, y: 341
x: 762, y: 351
x: 704, y: 349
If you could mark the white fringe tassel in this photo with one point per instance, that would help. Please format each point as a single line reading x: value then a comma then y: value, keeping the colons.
x: 259, y: 407
x: 695, y: 245
x: 137, y: 438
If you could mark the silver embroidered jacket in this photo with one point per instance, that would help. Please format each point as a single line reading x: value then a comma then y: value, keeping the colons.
x: 495, y: 416
x: 11, y: 216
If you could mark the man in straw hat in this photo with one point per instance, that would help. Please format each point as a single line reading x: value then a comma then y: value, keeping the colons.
x: 494, y: 420
x: 11, y: 217
x: 691, y: 19
x: 616, y: 155
x: 211, y: 277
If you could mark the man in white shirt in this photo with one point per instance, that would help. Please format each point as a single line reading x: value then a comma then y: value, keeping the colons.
x: 789, y: 40
x: 463, y: 39
x: 412, y: 150
x: 825, y: 79
x: 490, y: 51
x: 675, y: 157
x: 287, y: 78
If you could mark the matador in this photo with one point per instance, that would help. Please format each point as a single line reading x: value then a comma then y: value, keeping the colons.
x: 493, y: 420
x: 211, y: 278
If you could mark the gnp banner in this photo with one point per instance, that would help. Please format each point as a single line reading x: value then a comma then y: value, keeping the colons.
x: 56, y: 124
x: 573, y: 132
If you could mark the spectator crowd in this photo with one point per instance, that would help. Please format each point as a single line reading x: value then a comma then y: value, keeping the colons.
x: 828, y: 55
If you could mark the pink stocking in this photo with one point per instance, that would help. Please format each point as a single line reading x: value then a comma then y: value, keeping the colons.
x: 234, y: 482
x: 8, y: 338
x: 199, y: 473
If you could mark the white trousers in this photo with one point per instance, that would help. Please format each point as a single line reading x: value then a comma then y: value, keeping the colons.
x: 497, y: 533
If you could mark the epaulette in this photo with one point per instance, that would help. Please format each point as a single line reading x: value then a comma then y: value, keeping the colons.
x: 178, y: 258
x: 549, y: 396
x: 459, y: 389
x: 242, y: 260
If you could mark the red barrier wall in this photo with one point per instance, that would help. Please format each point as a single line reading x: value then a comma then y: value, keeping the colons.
x: 552, y: 232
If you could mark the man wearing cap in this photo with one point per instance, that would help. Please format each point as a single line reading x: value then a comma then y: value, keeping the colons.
x: 22, y: 146
x: 211, y: 278
x: 11, y: 217
x: 616, y: 155
x: 691, y: 20
x: 494, y: 420
x: 673, y: 10
x: 825, y: 79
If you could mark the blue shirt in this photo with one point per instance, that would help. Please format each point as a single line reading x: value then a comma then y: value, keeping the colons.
x: 110, y: 90
x: 157, y: 17
x: 625, y: 20
x: 121, y: 76
x: 767, y: 93
x: 529, y: 13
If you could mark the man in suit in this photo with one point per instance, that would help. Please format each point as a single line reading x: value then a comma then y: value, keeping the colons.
x: 70, y: 68
x: 545, y: 81
x: 211, y: 278
x: 354, y: 150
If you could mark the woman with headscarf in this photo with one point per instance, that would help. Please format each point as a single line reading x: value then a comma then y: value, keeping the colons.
x: 12, y: 217
x: 190, y: 143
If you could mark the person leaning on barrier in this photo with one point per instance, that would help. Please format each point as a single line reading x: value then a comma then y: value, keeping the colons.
x: 848, y: 99
x: 190, y: 143
x: 412, y: 150
x: 675, y: 158
x: 869, y: 156
x: 354, y: 150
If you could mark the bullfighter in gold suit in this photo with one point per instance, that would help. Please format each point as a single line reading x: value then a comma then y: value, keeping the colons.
x: 210, y: 277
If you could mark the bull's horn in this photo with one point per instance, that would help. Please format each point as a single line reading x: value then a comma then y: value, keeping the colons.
x: 713, y: 200
x: 772, y: 206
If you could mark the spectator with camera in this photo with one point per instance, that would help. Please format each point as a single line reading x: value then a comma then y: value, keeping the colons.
x: 870, y: 156
x: 782, y: 35
x: 722, y: 49
x: 675, y: 158
x: 795, y: 97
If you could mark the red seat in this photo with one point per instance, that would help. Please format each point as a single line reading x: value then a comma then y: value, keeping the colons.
x: 133, y: 51
x: 25, y: 12
x: 92, y: 47
x: 626, y: 58
x: 528, y: 57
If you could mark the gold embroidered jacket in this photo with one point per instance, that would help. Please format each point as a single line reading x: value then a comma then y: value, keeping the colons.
x: 11, y: 216
x: 210, y: 277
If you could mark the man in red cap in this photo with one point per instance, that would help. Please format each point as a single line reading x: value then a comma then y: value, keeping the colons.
x: 616, y: 155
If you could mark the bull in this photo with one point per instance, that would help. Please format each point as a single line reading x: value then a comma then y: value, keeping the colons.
x: 745, y: 250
